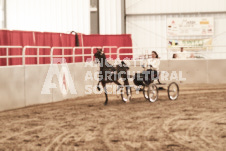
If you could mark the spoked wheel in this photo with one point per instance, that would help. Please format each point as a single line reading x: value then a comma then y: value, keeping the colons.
x: 152, y: 93
x: 145, y: 91
x: 126, y: 94
x: 173, y: 91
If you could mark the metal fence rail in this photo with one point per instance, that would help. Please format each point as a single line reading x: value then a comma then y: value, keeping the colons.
x: 7, y: 53
x: 51, y: 54
x: 165, y: 53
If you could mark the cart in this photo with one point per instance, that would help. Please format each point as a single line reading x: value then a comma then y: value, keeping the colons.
x: 149, y: 88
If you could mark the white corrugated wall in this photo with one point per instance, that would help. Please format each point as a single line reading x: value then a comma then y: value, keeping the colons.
x: 151, y: 30
x: 1, y: 13
x: 146, y: 20
x: 110, y: 17
x: 49, y: 15
x: 174, y: 6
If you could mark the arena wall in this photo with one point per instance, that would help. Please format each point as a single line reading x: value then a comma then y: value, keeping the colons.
x: 12, y: 88
x: 194, y: 71
x: 34, y: 80
x: 216, y: 71
x: 22, y: 86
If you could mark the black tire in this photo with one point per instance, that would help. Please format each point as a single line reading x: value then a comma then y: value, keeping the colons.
x: 173, y: 91
x: 126, y: 97
x: 152, y: 93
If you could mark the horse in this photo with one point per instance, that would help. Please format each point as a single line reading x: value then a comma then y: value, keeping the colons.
x: 108, y: 73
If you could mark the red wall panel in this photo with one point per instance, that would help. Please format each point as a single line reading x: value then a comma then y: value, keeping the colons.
x: 15, y: 39
x: 40, y: 41
x: 68, y: 40
x: 110, y: 40
x: 29, y: 38
x: 4, y: 41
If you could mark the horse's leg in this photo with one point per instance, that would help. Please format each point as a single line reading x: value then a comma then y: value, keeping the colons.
x: 119, y: 85
x: 98, y: 87
x: 126, y: 83
x: 105, y: 92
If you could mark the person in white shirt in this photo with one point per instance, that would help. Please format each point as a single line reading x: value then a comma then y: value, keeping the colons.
x: 175, y: 56
x: 182, y: 55
x: 153, y: 63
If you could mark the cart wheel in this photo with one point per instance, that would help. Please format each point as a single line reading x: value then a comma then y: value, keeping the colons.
x: 145, y: 91
x: 173, y: 91
x: 152, y: 93
x: 126, y: 95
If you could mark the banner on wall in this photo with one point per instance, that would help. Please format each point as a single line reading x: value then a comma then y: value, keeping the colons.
x: 192, y: 26
x: 193, y: 43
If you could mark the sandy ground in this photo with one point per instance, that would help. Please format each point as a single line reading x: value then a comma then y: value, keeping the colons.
x: 196, y: 121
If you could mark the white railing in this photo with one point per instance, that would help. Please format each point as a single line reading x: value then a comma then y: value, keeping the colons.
x: 62, y: 51
x: 7, y: 53
x: 51, y: 54
x: 32, y: 56
x: 216, y: 52
x: 110, y: 50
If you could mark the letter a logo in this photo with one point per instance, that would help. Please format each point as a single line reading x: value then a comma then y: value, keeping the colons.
x: 64, y: 78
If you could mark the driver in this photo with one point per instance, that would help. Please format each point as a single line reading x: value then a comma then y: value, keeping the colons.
x: 153, y: 63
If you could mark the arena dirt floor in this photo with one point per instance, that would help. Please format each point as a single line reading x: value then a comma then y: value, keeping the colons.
x: 196, y: 121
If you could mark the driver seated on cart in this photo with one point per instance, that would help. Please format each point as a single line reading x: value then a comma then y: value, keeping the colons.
x: 152, y: 65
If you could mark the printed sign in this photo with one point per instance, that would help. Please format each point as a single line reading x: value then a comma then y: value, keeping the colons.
x: 193, y: 43
x: 194, y: 26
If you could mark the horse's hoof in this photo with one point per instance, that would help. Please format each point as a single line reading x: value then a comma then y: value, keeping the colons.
x: 98, y: 88
x: 105, y: 103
